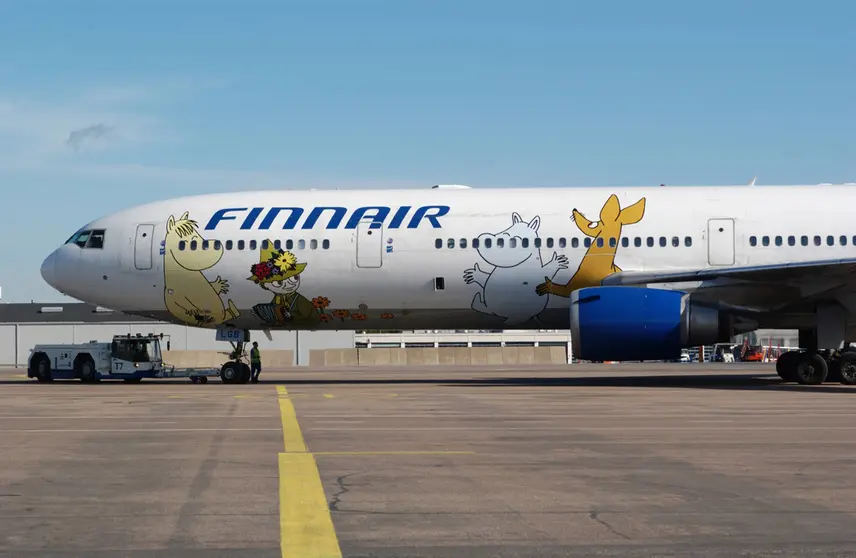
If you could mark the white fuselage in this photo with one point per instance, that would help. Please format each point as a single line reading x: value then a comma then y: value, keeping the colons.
x: 434, y: 258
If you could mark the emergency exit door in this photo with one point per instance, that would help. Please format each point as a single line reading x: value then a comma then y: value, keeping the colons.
x: 143, y: 246
x: 369, y: 245
x: 720, y: 241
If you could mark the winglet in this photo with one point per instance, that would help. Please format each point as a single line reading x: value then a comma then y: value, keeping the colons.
x: 752, y: 182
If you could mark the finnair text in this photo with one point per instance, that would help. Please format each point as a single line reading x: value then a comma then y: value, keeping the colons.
x: 285, y: 218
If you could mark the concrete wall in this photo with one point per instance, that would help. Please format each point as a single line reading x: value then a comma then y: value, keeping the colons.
x: 16, y: 341
x: 440, y: 356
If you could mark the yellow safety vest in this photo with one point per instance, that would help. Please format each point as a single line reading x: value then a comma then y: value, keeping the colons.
x: 254, y: 355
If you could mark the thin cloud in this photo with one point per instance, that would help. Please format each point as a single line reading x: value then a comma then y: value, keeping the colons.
x: 77, y: 139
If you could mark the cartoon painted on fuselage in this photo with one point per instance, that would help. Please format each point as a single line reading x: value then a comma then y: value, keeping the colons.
x: 279, y: 273
x: 188, y: 295
x: 599, y: 260
x: 508, y: 291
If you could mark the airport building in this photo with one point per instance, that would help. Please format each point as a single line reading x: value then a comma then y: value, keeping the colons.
x: 22, y: 326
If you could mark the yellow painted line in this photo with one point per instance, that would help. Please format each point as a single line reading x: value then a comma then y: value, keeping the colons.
x: 304, y: 516
x: 328, y: 395
x: 395, y: 453
x: 292, y: 437
x: 19, y: 376
x: 306, y: 527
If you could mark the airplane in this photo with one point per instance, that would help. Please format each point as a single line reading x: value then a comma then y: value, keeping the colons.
x: 635, y: 273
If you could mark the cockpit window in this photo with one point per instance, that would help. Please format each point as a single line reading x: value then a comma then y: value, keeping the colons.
x: 88, y: 239
x: 96, y: 239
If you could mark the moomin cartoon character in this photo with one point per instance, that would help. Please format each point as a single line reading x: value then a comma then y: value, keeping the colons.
x: 599, y: 260
x: 279, y: 273
x: 508, y: 290
x: 188, y: 295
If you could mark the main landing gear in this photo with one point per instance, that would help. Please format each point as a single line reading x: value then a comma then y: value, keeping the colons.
x: 816, y: 367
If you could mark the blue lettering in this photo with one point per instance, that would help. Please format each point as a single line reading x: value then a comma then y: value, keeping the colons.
x: 378, y: 215
x: 220, y: 215
x: 399, y: 216
x: 251, y: 218
x: 422, y: 212
x: 378, y: 218
x: 335, y: 220
x: 293, y: 217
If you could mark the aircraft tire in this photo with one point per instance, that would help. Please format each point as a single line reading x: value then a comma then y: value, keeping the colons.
x: 847, y: 367
x: 811, y: 369
x: 246, y: 373
x: 786, y: 366
x: 230, y: 373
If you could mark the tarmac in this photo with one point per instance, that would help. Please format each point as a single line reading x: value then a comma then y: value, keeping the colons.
x: 631, y: 460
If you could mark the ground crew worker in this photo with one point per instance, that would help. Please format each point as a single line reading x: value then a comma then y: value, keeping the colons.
x: 255, y: 362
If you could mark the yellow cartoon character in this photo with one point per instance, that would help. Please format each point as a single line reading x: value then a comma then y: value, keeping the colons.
x: 599, y: 260
x: 188, y: 295
x: 279, y: 273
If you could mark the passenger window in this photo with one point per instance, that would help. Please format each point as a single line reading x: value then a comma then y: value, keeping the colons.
x: 325, y: 244
x: 450, y: 243
x: 753, y: 241
x: 228, y: 245
x: 676, y: 241
x: 463, y: 243
x: 525, y: 243
x: 241, y: 245
x: 562, y: 243
x: 205, y: 244
x: 688, y: 241
x: 475, y: 243
x: 612, y: 242
x: 625, y: 242
x: 537, y: 243
x: 438, y: 243
x: 637, y: 242
x: 96, y: 240
x: 253, y: 245
x: 599, y: 241
x: 842, y: 240
x: 277, y: 244
x: 830, y: 240
x: 487, y: 242
x: 193, y: 245
x: 816, y: 240
x: 587, y: 242
x: 765, y: 241
x: 265, y: 244
x: 182, y: 244
x: 778, y: 241
x: 650, y: 242
x: 218, y: 245
x: 575, y: 242
x: 662, y: 241
x: 512, y: 243
x: 301, y: 244
x: 289, y: 244
x: 804, y: 240
x: 550, y: 242
x: 313, y: 244
x: 500, y: 242
x: 792, y: 240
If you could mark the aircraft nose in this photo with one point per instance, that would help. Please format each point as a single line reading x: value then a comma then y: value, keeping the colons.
x: 49, y: 270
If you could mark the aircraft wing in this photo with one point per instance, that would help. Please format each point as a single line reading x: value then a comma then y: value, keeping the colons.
x: 839, y: 271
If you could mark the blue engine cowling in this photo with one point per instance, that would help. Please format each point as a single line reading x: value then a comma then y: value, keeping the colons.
x: 631, y: 323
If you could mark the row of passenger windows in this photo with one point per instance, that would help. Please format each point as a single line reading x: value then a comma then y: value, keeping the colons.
x: 816, y: 240
x: 88, y: 239
x: 253, y: 244
x: 562, y: 242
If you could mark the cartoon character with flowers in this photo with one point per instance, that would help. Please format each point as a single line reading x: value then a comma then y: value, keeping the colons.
x: 279, y: 273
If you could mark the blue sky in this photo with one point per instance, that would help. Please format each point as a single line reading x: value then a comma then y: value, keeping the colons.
x: 107, y: 104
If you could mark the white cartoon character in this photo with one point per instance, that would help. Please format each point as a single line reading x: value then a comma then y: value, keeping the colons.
x: 508, y: 291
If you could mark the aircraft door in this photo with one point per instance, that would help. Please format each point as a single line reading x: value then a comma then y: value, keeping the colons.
x: 369, y: 245
x: 720, y: 241
x: 143, y: 245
